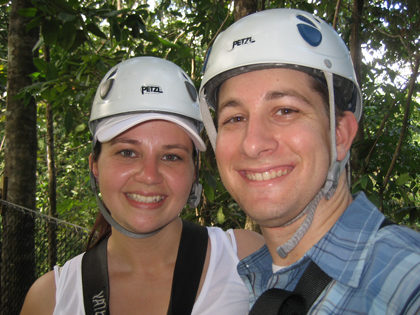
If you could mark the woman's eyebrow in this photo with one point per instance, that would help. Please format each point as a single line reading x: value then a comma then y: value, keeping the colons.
x: 123, y: 140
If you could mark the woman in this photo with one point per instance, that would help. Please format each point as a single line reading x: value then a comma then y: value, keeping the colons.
x: 145, y: 124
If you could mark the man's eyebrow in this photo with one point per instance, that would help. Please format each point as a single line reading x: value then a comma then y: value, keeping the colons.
x: 228, y: 103
x: 273, y: 95
x: 269, y: 96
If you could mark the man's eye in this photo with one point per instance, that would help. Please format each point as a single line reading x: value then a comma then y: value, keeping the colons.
x: 285, y: 111
x: 235, y: 119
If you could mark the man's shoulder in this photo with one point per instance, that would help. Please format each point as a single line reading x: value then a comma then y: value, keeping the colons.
x: 397, y: 240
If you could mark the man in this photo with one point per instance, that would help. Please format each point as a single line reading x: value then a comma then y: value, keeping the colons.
x: 287, y: 104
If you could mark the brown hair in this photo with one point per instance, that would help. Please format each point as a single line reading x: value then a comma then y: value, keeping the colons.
x: 101, y: 229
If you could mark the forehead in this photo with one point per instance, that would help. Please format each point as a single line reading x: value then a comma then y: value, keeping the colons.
x: 267, y: 78
x: 156, y: 131
x: 267, y: 84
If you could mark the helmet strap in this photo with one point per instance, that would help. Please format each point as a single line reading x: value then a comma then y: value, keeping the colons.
x: 208, y: 120
x: 111, y: 220
x: 197, y: 188
x: 331, y: 183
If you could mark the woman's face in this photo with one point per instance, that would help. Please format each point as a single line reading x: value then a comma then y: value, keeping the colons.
x: 145, y: 175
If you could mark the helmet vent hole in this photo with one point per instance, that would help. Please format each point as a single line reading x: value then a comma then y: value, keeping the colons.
x: 112, y: 74
x: 310, y: 34
x: 191, y: 91
x: 105, y: 88
x: 305, y: 19
x: 185, y: 76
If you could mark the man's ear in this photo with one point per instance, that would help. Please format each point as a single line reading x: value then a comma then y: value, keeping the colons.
x: 346, y: 131
x: 94, y: 167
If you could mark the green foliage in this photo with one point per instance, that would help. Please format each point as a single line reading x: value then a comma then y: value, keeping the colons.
x: 86, y: 38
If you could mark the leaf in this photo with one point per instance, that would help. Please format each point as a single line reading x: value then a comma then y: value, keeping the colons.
x: 94, y: 29
x: 221, y: 216
x: 402, y: 179
x: 28, y: 12
x: 222, y: 197
x: 51, y: 72
x: 80, y: 128
x: 404, y: 195
x: 41, y: 64
x: 68, y: 35
x: 208, y: 177
x: 363, y: 182
x: 68, y: 121
x: 50, y: 31
x: 208, y: 192
x: 116, y: 31
x: 166, y: 43
x: 33, y: 23
x: 65, y: 17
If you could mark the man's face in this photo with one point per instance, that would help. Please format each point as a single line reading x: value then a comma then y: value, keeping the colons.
x: 272, y: 148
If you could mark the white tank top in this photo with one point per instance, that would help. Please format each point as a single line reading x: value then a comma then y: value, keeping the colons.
x: 223, y: 292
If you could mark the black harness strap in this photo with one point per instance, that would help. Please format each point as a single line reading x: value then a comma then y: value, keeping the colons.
x: 95, y: 280
x: 188, y: 268
x: 298, y: 302
x: 187, y: 274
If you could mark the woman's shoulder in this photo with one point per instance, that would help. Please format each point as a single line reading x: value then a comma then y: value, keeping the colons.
x: 248, y: 242
x: 41, y: 296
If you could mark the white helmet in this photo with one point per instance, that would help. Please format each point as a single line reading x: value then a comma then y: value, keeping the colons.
x: 138, y: 90
x: 148, y: 85
x: 285, y: 38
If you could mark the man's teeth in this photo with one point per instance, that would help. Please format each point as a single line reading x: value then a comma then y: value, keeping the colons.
x: 266, y: 175
x: 145, y: 199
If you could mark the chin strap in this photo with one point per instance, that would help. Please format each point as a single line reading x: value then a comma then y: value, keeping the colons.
x: 197, y: 188
x: 208, y: 120
x: 331, y: 183
x: 111, y: 220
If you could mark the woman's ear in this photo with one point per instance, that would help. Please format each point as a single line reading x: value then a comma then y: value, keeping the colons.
x: 345, y: 133
x: 93, y: 165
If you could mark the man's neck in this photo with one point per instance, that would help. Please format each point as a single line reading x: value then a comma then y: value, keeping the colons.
x: 326, y: 215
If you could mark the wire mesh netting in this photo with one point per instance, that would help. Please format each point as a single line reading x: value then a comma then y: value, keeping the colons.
x: 31, y: 244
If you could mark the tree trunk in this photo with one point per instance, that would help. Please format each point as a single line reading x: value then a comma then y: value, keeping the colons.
x: 356, y: 55
x: 244, y: 8
x: 18, y: 256
x: 52, y: 180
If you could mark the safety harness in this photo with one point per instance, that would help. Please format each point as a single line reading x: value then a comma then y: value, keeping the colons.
x: 187, y: 274
x: 300, y: 300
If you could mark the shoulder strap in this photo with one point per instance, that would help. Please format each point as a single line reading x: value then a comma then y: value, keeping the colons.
x: 95, y: 280
x: 188, y: 268
x: 279, y: 301
x: 386, y: 222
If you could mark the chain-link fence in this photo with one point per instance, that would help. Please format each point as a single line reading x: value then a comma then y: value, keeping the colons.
x: 31, y: 243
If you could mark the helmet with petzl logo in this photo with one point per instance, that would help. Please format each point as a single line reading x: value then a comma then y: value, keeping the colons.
x: 293, y: 39
x: 138, y: 90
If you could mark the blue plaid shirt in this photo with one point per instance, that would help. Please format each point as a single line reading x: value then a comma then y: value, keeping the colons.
x: 373, y: 271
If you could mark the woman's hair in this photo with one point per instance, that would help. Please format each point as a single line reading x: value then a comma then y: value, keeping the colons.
x: 101, y: 229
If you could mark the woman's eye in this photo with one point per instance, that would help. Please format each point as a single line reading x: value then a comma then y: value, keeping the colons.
x: 171, y: 157
x: 127, y: 153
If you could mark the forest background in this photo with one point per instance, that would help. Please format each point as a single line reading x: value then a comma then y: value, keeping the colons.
x: 53, y: 54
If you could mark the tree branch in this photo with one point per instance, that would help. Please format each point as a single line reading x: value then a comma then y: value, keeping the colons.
x: 404, y: 126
